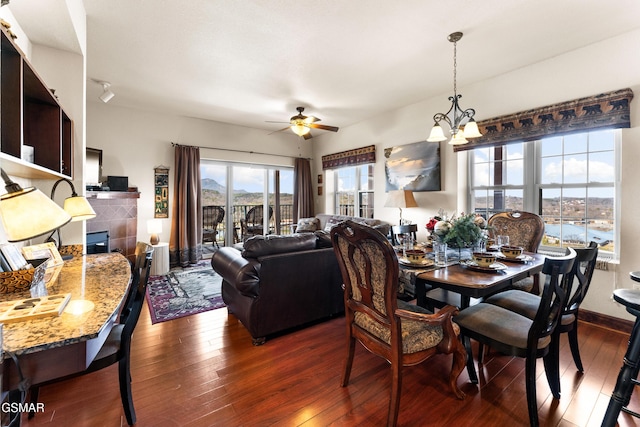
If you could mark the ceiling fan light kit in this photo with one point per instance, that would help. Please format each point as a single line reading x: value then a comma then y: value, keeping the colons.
x: 301, y: 125
x: 456, y: 115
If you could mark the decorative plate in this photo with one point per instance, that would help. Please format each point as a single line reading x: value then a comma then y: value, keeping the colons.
x: 424, y: 263
x: 493, y: 268
x: 521, y: 258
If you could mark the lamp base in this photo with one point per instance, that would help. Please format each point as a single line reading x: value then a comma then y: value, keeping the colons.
x: 154, y: 239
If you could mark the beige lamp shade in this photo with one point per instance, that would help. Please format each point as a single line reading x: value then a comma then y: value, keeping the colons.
x: 400, y: 199
x: 79, y: 208
x: 29, y: 213
x: 437, y: 134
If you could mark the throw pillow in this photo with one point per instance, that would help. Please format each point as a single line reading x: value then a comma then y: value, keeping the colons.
x: 307, y: 225
x: 331, y: 222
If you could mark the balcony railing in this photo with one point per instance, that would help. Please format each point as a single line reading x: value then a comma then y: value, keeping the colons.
x: 239, y: 212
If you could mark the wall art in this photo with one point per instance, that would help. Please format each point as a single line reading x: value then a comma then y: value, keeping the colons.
x: 414, y: 167
x: 161, y: 199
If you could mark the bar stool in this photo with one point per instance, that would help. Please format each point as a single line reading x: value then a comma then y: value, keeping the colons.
x: 627, y: 378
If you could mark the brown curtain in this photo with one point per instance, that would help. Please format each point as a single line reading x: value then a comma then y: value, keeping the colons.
x: 302, y: 190
x: 185, y: 244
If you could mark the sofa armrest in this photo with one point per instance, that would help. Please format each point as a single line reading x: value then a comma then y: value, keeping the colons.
x: 240, y: 272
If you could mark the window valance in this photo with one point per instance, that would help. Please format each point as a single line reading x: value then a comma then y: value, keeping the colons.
x: 605, y: 111
x: 358, y: 156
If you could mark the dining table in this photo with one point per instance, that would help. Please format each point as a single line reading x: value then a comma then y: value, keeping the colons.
x: 55, y: 345
x: 462, y: 278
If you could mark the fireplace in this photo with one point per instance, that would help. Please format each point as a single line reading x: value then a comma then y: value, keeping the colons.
x: 116, y: 221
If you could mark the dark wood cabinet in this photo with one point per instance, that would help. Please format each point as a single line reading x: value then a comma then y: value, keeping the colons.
x: 30, y: 116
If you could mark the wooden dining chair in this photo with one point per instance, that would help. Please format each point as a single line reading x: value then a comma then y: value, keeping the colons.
x: 513, y: 334
x: 399, y: 231
x: 524, y: 229
x: 117, y: 346
x: 527, y: 304
x: 402, y: 333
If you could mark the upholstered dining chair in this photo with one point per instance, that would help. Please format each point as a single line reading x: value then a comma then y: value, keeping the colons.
x: 513, y: 334
x: 401, y: 333
x: 211, y: 217
x: 524, y: 229
x: 527, y: 304
x: 117, y: 347
x: 253, y: 222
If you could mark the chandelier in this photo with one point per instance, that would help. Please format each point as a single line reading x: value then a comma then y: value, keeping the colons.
x: 456, y: 115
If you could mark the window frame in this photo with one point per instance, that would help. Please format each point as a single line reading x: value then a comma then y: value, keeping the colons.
x: 532, y: 185
x: 359, y: 193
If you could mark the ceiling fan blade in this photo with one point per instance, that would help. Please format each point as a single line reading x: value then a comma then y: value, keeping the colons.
x: 307, y: 136
x: 323, y: 127
x: 311, y: 119
x: 280, y: 130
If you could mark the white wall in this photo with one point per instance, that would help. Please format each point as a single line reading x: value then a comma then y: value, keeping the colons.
x: 608, y: 65
x: 134, y: 142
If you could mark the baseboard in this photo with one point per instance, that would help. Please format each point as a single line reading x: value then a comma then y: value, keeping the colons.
x: 610, y: 322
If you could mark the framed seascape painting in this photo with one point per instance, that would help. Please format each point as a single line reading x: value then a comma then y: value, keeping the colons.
x: 414, y: 167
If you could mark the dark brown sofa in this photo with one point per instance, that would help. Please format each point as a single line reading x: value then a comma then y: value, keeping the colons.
x: 280, y: 282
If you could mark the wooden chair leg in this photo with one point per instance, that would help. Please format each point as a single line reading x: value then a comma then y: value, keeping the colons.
x: 532, y: 403
x: 125, y: 390
x: 573, y: 345
x: 459, y: 361
x: 396, y: 389
x: 351, y: 347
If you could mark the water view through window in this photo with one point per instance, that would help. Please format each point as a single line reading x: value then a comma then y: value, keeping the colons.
x: 569, y: 180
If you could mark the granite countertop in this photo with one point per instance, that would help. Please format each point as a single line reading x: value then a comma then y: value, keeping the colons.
x: 106, y: 280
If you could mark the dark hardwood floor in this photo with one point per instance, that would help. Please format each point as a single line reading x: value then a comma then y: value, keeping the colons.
x: 203, y: 371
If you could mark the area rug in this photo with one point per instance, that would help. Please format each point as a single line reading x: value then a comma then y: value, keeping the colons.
x: 183, y: 292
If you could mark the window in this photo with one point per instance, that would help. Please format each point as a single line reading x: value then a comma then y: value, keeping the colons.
x: 354, y: 191
x: 239, y: 187
x: 571, y: 181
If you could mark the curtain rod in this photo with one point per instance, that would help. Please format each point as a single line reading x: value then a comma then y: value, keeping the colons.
x: 174, y: 144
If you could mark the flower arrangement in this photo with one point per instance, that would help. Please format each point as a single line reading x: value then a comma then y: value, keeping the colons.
x: 460, y: 231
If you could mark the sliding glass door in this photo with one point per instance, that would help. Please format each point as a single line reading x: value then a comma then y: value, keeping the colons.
x: 257, y: 199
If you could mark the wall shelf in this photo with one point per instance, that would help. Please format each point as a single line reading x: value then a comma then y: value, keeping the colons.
x: 30, y: 115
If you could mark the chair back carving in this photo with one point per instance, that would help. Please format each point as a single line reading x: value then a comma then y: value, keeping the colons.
x: 370, y: 273
x: 523, y: 228
x: 558, y: 273
x: 583, y: 268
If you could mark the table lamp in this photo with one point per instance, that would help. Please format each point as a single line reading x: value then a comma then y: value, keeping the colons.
x: 28, y: 213
x: 77, y: 207
x: 400, y: 199
x: 154, y: 227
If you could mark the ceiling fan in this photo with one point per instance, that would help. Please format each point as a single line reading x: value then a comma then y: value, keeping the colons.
x: 301, y: 125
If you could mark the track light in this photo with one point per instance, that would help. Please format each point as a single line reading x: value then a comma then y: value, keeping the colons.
x: 107, y: 94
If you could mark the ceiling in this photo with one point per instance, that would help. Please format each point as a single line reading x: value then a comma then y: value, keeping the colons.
x: 246, y: 62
